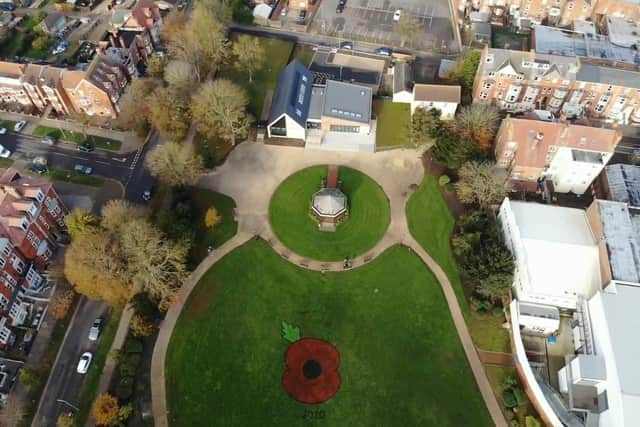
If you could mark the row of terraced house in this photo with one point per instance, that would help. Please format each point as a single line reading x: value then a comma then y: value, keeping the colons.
x: 32, y: 225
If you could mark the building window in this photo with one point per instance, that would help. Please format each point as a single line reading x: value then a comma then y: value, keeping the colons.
x: 347, y: 129
x: 24, y: 224
x: 6, y: 249
x: 2, y: 262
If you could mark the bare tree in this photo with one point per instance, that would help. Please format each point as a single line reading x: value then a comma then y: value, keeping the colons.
x: 220, y: 109
x: 249, y: 54
x: 134, y: 107
x: 478, y: 122
x: 408, y: 28
x: 180, y: 75
x: 480, y: 183
x: 175, y: 164
x: 169, y: 112
x: 202, y: 42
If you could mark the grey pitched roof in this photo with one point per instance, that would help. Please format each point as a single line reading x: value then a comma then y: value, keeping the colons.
x: 317, y: 101
x: 402, y: 77
x: 347, y: 101
x: 293, y: 93
x: 607, y: 75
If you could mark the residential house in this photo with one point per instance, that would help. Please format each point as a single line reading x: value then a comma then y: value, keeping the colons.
x: 12, y: 91
x: 42, y: 83
x: 53, y: 23
x: 440, y: 97
x: 526, y: 13
x: 334, y: 115
x: 560, y: 157
x: 566, y: 86
x: 620, y: 183
x: 130, y: 49
x: 96, y: 91
x: 145, y: 16
x: 32, y: 221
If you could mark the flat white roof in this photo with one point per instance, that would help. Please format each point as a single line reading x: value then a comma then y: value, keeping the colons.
x: 560, y: 257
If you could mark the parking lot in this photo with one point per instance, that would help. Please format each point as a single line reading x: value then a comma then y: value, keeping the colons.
x: 372, y: 20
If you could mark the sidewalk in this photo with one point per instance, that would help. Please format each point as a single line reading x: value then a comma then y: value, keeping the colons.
x: 130, y: 140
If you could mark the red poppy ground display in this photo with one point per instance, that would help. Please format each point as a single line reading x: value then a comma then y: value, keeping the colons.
x: 312, y: 371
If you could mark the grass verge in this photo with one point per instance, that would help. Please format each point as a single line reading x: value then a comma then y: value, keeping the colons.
x: 78, y: 137
x: 74, y: 177
x: 91, y: 382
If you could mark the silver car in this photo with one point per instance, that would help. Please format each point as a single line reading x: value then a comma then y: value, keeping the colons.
x: 95, y: 330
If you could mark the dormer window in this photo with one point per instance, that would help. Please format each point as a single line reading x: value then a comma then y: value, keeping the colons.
x: 33, y: 210
x: 40, y: 196
x: 24, y: 224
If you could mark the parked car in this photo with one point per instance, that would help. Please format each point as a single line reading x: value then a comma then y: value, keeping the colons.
x: 3, y: 131
x: 346, y: 45
x: 38, y: 168
x: 86, y: 147
x: 302, y: 15
x: 83, y: 169
x: 19, y: 126
x: 7, y: 7
x: 60, y: 47
x: 340, y: 8
x: 85, y: 362
x: 95, y: 330
x: 384, y: 51
x: 4, y: 153
x: 284, y: 11
x: 397, y: 14
x: 49, y: 140
x: 146, y: 195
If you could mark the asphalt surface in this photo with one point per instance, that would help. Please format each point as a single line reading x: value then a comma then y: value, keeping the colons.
x: 127, y: 168
x: 62, y: 394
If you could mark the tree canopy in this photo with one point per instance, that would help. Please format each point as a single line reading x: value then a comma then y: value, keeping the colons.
x: 175, y: 164
x: 480, y: 183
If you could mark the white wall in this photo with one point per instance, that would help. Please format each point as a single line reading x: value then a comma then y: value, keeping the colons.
x: 572, y: 176
x: 294, y: 130
x: 447, y: 109
x: 405, y: 97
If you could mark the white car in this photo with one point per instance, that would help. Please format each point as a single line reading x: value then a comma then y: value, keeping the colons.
x: 397, y: 14
x: 19, y: 126
x: 4, y: 153
x: 3, y: 131
x: 84, y: 363
x: 95, y: 330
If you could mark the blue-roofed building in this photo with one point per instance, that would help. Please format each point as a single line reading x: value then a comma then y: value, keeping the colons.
x: 290, y: 105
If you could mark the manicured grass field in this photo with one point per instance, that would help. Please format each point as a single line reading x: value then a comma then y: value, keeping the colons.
x: 394, y: 120
x: 78, y: 137
x: 292, y: 223
x: 201, y: 201
x: 488, y: 333
x: 264, y: 79
x: 431, y: 224
x: 401, y: 363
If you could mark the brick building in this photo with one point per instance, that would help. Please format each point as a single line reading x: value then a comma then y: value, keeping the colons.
x: 561, y: 157
x: 566, y: 86
x: 32, y: 221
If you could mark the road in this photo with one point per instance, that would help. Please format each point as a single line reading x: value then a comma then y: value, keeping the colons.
x: 64, y: 382
x: 127, y: 168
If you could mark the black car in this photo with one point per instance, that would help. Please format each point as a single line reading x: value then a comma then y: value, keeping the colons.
x: 346, y: 45
x: 38, y: 168
x: 7, y: 7
x: 86, y: 147
x: 384, y: 51
x: 303, y: 14
x: 340, y: 7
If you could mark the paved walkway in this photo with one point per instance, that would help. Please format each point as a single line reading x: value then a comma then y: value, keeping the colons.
x: 250, y: 175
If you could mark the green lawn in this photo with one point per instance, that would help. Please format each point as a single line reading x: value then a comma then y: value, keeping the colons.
x: 292, y: 223
x: 264, y: 79
x: 92, y: 380
x: 78, y: 137
x: 74, y: 177
x: 488, y: 333
x: 201, y: 201
x: 7, y: 124
x: 401, y: 362
x: 5, y: 163
x: 394, y: 120
x: 431, y: 224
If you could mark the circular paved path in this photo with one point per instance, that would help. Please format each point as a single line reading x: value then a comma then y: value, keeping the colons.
x: 250, y: 175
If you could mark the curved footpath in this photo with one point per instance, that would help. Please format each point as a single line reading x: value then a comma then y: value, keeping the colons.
x: 250, y: 176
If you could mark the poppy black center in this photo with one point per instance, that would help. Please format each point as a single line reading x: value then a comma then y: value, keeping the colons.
x: 311, y: 369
